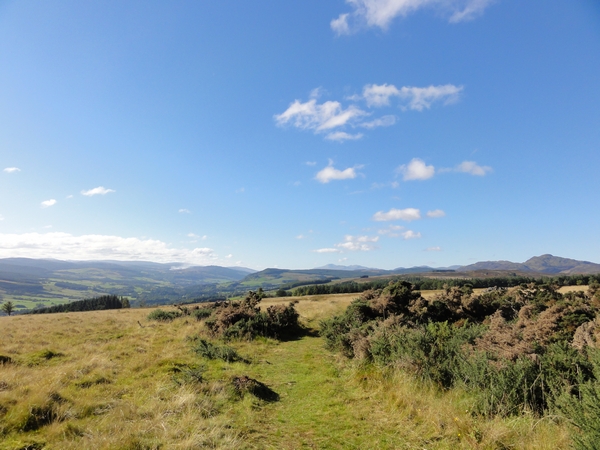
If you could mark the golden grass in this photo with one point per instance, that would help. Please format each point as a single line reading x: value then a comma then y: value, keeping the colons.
x: 99, y: 380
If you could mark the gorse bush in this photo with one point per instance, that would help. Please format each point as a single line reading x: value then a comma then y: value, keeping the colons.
x: 163, y: 316
x: 245, y: 320
x: 518, y: 350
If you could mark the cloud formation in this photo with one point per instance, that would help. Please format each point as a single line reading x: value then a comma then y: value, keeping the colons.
x: 330, y: 173
x: 318, y: 117
x: 12, y: 169
x: 380, y: 13
x: 416, y: 169
x: 48, y: 203
x: 436, y: 214
x: 471, y: 167
x: 433, y: 249
x: 358, y: 243
x: 331, y: 117
x: 395, y: 231
x: 407, y: 214
x: 100, y: 190
x: 184, y: 211
x: 98, y: 247
x: 343, y: 136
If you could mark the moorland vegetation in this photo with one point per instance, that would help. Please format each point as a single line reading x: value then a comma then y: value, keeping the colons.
x: 393, y: 368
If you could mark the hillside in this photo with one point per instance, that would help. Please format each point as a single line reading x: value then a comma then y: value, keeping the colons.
x: 28, y: 282
x: 115, y: 380
x: 544, y: 264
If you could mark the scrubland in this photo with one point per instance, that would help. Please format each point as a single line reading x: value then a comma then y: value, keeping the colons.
x: 116, y: 380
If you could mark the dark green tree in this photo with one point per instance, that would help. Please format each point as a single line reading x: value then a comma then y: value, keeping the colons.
x: 8, y: 307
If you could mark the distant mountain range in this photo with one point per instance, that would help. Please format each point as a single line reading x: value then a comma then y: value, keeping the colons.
x: 31, y: 281
x: 545, y: 264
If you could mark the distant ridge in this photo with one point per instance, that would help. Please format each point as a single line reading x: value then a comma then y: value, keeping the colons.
x: 339, y: 267
x: 546, y: 264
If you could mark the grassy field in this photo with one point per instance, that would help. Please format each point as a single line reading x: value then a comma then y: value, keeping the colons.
x: 115, y: 380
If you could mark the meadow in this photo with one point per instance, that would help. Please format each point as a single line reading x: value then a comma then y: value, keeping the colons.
x: 116, y: 380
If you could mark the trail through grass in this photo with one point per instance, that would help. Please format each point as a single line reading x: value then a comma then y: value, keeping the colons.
x: 115, y: 382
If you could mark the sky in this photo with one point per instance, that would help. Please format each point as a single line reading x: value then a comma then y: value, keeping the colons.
x: 382, y: 133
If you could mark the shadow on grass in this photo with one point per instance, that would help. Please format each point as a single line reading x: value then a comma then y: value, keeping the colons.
x: 245, y: 384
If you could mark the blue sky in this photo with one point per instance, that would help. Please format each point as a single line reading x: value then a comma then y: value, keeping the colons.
x: 385, y: 133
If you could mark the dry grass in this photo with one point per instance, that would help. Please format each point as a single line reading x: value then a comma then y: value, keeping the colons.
x: 99, y: 380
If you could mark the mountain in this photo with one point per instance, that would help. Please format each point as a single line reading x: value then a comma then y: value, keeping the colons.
x: 546, y: 264
x: 338, y: 267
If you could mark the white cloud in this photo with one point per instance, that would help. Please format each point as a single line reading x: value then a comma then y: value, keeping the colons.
x: 391, y: 231
x: 12, y: 169
x: 433, y: 249
x: 230, y: 256
x: 195, y: 236
x: 379, y: 13
x: 100, y: 190
x: 422, y: 98
x: 409, y: 234
x: 311, y: 163
x: 416, y: 169
x: 184, y: 211
x: 327, y: 250
x: 436, y: 213
x: 407, y: 215
x: 98, y: 247
x: 418, y: 98
x: 358, y: 243
x: 395, y: 231
x: 471, y: 167
x: 341, y: 136
x: 1, y: 217
x: 48, y: 203
x: 383, y: 121
x: 379, y: 94
x: 340, y: 25
x: 318, y: 117
x: 330, y: 173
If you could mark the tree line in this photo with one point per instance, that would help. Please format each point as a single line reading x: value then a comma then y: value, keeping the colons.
x: 92, y: 304
x: 427, y: 284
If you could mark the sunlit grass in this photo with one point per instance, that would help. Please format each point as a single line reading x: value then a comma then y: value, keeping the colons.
x: 115, y: 380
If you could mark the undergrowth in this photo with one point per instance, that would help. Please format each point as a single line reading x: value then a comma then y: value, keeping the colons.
x: 527, y: 350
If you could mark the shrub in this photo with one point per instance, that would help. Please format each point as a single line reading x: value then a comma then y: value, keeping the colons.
x: 163, y: 316
x: 208, y: 350
x: 245, y: 320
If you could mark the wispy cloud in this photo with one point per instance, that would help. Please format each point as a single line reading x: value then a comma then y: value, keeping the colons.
x: 331, y: 117
x: 330, y: 173
x: 436, y: 214
x: 196, y: 237
x: 384, y: 121
x: 380, y: 13
x: 100, y: 190
x: 358, y: 243
x: 327, y: 250
x: 471, y: 167
x: 407, y: 214
x: 12, y: 169
x: 184, y: 211
x: 1, y: 217
x: 433, y: 249
x: 343, y: 136
x: 416, y: 169
x: 98, y: 247
x: 48, y: 203
x: 396, y: 231
x: 318, y: 117
x: 409, y: 234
